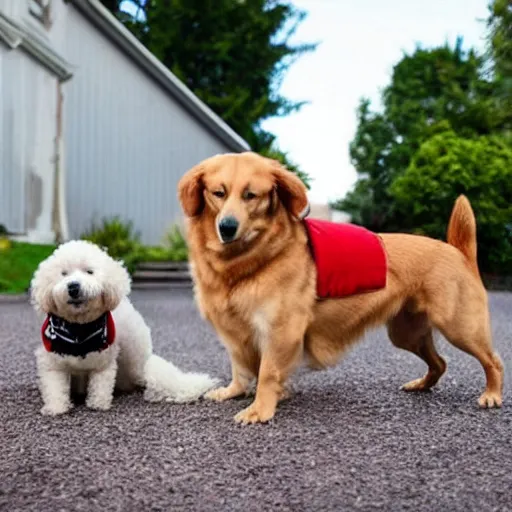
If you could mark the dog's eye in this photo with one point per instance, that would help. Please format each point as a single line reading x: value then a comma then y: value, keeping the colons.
x: 249, y: 195
x: 219, y: 193
x: 89, y: 271
x: 64, y: 273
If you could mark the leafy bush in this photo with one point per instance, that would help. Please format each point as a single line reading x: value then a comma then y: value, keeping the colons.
x: 119, y: 239
x: 447, y: 165
x: 156, y: 253
x: 5, y: 243
x: 123, y: 243
x: 173, y: 248
x: 176, y: 244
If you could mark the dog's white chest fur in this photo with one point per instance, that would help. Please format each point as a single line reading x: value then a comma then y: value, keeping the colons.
x: 261, y: 322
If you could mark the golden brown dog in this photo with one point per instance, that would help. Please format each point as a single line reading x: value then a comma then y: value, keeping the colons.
x: 255, y: 278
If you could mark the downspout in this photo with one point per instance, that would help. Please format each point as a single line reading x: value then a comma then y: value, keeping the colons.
x: 59, y: 217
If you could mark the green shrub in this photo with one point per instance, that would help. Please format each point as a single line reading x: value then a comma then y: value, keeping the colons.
x: 119, y: 239
x: 156, y: 253
x: 176, y: 244
x: 5, y: 243
x: 448, y: 165
x: 123, y: 243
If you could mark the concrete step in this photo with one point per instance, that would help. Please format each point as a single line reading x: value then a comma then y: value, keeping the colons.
x: 162, y: 285
x: 163, y: 265
x: 161, y: 275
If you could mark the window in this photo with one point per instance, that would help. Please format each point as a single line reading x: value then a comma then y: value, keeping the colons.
x: 41, y: 10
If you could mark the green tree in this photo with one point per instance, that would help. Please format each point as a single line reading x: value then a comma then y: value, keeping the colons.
x: 430, y: 90
x: 499, y: 40
x: 447, y: 165
x: 233, y: 54
x: 370, y: 154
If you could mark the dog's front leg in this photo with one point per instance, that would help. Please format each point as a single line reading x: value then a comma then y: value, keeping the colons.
x: 244, y: 368
x: 280, y: 356
x: 54, y: 385
x: 100, y: 391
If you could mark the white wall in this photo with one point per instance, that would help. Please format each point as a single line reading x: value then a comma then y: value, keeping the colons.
x: 27, y: 130
x: 28, y: 121
x: 128, y: 141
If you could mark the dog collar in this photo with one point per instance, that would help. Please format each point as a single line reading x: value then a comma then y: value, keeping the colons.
x: 304, y: 213
x: 71, y: 339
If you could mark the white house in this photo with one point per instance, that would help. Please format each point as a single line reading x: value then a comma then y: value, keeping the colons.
x: 324, y: 212
x: 92, y: 125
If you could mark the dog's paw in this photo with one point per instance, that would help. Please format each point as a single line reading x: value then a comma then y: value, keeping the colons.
x: 223, y: 393
x: 416, y: 385
x: 99, y: 405
x: 490, y: 400
x: 254, y: 414
x: 56, y: 409
x: 286, y: 393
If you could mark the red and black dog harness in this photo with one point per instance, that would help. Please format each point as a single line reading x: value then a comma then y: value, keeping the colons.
x: 72, y: 339
x: 349, y: 259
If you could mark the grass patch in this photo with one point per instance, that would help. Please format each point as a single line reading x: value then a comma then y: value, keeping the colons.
x: 19, y: 260
x: 18, y: 264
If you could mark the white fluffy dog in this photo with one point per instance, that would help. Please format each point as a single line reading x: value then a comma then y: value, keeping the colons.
x: 94, y: 340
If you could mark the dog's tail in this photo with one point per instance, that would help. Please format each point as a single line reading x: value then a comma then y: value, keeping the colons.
x: 462, y: 231
x: 165, y: 382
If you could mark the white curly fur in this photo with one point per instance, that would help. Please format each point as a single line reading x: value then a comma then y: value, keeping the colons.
x: 128, y: 363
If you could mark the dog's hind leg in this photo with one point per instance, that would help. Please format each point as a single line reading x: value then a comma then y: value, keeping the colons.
x: 471, y: 333
x: 412, y: 332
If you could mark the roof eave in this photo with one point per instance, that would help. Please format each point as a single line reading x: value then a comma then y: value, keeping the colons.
x: 103, y: 19
x: 15, y: 35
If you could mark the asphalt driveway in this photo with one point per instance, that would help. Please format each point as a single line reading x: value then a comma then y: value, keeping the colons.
x: 347, y: 440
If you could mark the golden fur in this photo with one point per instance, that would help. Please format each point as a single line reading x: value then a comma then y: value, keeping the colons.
x: 259, y: 291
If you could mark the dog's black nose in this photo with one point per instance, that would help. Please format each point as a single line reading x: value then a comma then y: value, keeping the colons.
x: 74, y: 289
x: 228, y: 227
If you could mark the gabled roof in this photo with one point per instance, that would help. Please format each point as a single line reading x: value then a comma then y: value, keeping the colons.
x: 104, y: 21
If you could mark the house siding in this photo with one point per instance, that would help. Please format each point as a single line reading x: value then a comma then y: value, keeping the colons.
x: 28, y: 95
x: 128, y: 141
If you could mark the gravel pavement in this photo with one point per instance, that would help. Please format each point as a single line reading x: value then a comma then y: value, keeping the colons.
x: 347, y: 440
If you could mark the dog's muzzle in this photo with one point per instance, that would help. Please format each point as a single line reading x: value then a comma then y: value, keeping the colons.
x: 74, y: 289
x: 228, y: 226
x: 76, y: 297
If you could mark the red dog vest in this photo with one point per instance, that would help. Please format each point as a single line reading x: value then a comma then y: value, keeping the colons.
x: 349, y: 259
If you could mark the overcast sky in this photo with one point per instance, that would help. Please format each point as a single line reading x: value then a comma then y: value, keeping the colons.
x: 360, y: 42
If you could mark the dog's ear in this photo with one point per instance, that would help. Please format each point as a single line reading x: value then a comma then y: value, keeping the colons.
x: 117, y: 285
x: 190, y: 191
x: 291, y: 191
x: 41, y: 290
